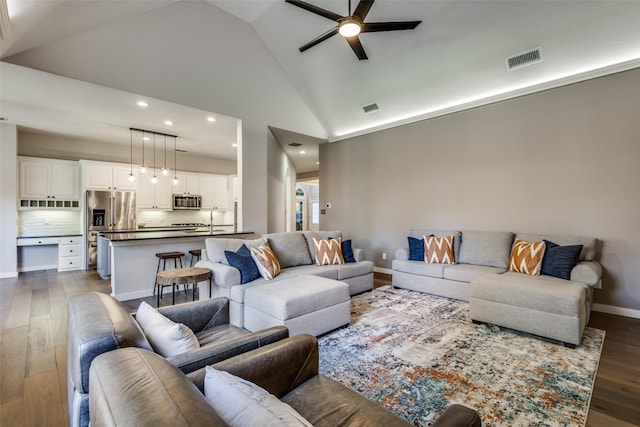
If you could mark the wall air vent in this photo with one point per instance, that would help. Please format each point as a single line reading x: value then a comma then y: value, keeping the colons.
x: 523, y: 59
x: 370, y: 108
x: 180, y: 150
x: 295, y: 144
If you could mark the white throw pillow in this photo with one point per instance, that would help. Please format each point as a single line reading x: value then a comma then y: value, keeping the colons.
x: 242, y: 403
x: 167, y: 337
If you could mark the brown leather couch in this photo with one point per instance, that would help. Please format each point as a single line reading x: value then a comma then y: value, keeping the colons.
x: 98, y: 323
x: 135, y: 387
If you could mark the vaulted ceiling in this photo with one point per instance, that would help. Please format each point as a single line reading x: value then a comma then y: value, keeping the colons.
x: 244, y: 53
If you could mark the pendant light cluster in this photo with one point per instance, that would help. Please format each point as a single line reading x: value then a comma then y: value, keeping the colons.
x: 143, y: 166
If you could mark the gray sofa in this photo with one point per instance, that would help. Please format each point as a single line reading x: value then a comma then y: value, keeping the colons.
x: 542, y: 305
x: 296, y: 256
x: 98, y: 323
x: 132, y: 387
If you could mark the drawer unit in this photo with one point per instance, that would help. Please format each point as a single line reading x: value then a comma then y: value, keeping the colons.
x: 70, y: 253
x: 37, y: 241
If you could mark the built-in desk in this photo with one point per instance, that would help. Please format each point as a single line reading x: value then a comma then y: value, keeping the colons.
x: 49, y: 252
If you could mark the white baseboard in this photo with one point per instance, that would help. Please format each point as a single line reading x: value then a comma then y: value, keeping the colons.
x: 382, y: 270
x: 9, y: 275
x: 38, y: 268
x: 620, y: 311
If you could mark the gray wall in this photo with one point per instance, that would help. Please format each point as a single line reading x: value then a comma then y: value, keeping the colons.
x: 565, y: 161
x: 279, y: 170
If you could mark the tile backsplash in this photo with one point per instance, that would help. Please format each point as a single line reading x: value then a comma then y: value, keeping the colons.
x: 41, y: 223
x: 156, y: 218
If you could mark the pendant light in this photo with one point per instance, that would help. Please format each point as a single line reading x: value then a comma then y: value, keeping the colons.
x: 155, y: 178
x: 165, y: 171
x: 175, y: 169
x: 143, y: 167
x: 131, y: 178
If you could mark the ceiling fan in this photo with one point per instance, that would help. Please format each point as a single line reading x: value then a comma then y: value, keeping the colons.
x: 350, y: 26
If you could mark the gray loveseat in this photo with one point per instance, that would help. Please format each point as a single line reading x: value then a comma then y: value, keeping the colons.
x: 132, y: 387
x: 98, y: 323
x: 296, y: 256
x: 542, y: 305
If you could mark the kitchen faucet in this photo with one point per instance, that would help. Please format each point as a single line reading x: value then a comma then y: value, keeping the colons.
x: 211, y: 221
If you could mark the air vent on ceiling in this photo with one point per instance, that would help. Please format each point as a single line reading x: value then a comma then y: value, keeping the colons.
x: 295, y: 144
x: 180, y: 150
x: 526, y: 58
x: 370, y: 108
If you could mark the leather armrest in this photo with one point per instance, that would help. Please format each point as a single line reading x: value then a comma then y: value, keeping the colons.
x: 199, y: 315
x: 458, y: 416
x: 278, y: 368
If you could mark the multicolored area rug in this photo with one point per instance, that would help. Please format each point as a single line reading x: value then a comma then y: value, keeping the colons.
x: 416, y: 354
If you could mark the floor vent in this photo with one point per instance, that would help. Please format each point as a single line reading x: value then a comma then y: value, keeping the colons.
x: 523, y: 59
x: 370, y: 108
x: 295, y: 144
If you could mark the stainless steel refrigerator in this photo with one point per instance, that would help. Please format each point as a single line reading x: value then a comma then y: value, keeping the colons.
x: 108, y: 211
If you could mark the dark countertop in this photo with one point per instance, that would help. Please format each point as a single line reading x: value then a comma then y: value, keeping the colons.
x: 173, y: 234
x: 50, y: 236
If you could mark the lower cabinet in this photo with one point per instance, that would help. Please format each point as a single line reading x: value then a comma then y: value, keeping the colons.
x: 69, y: 253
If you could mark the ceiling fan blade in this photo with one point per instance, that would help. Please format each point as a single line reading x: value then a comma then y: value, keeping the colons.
x: 315, y: 9
x: 319, y: 39
x: 373, y: 27
x: 355, y: 44
x: 363, y: 9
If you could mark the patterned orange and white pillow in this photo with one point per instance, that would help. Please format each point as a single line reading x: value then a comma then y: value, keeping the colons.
x: 328, y: 252
x: 266, y: 261
x: 438, y: 250
x: 527, y: 257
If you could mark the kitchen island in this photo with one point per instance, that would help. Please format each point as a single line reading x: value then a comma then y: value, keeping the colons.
x: 134, y: 264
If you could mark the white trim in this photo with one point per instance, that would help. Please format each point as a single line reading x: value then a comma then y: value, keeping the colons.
x: 38, y: 268
x: 620, y: 311
x: 9, y: 275
x: 551, y: 84
x: 383, y: 270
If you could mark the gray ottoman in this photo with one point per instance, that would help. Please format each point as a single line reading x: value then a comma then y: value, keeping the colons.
x: 304, y: 304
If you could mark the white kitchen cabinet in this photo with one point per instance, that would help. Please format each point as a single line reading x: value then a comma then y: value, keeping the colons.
x: 214, y: 191
x: 188, y: 183
x: 107, y: 176
x: 48, y: 183
x: 154, y: 196
x: 70, y: 253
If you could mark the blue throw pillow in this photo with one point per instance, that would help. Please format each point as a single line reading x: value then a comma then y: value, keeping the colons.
x: 243, y: 261
x: 347, y: 251
x: 416, y: 249
x: 558, y: 261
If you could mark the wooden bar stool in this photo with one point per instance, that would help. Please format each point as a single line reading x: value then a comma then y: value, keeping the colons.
x: 195, y: 253
x: 182, y: 276
x: 163, y: 257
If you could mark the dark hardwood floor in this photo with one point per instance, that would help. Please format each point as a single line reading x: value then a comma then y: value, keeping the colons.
x: 33, y: 352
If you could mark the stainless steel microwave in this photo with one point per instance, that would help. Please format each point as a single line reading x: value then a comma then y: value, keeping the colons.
x: 186, y: 201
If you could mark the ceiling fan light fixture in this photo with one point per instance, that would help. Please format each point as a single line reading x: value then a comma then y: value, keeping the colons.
x: 350, y: 27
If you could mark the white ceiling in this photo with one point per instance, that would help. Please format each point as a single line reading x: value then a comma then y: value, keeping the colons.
x: 454, y: 59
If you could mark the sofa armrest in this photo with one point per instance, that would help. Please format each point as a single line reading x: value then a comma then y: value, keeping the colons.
x: 222, y: 275
x: 588, y: 272
x: 204, y: 255
x: 278, y: 368
x: 402, y: 254
x: 359, y: 255
x: 226, y: 348
x: 199, y: 315
x: 457, y: 415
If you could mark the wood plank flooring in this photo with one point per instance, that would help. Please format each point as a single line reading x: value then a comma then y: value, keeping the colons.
x: 33, y: 352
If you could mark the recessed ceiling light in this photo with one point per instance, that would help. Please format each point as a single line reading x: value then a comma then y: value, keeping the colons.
x: 142, y: 103
x: 234, y: 145
x: 168, y: 122
x: 303, y: 152
x: 211, y: 119
x: 146, y: 138
x: 317, y: 163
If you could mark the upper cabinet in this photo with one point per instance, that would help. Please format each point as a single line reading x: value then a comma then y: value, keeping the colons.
x: 215, y: 192
x: 48, y: 183
x: 188, y: 183
x: 154, y: 196
x: 108, y: 176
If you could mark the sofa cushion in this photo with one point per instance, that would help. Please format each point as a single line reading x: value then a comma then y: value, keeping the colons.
x: 418, y: 233
x: 266, y: 261
x: 309, y: 235
x: 290, y: 248
x: 349, y: 270
x: 526, y: 257
x: 439, y: 250
x: 589, y: 244
x: 416, y: 249
x: 220, y: 333
x: 243, y: 261
x: 242, y: 403
x: 490, y: 248
x: 543, y: 293
x: 167, y: 337
x: 420, y: 268
x: 328, y: 251
x: 558, y: 261
x: 468, y: 272
x: 217, y: 245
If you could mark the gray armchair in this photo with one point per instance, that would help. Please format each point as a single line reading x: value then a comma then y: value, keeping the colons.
x: 98, y: 323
